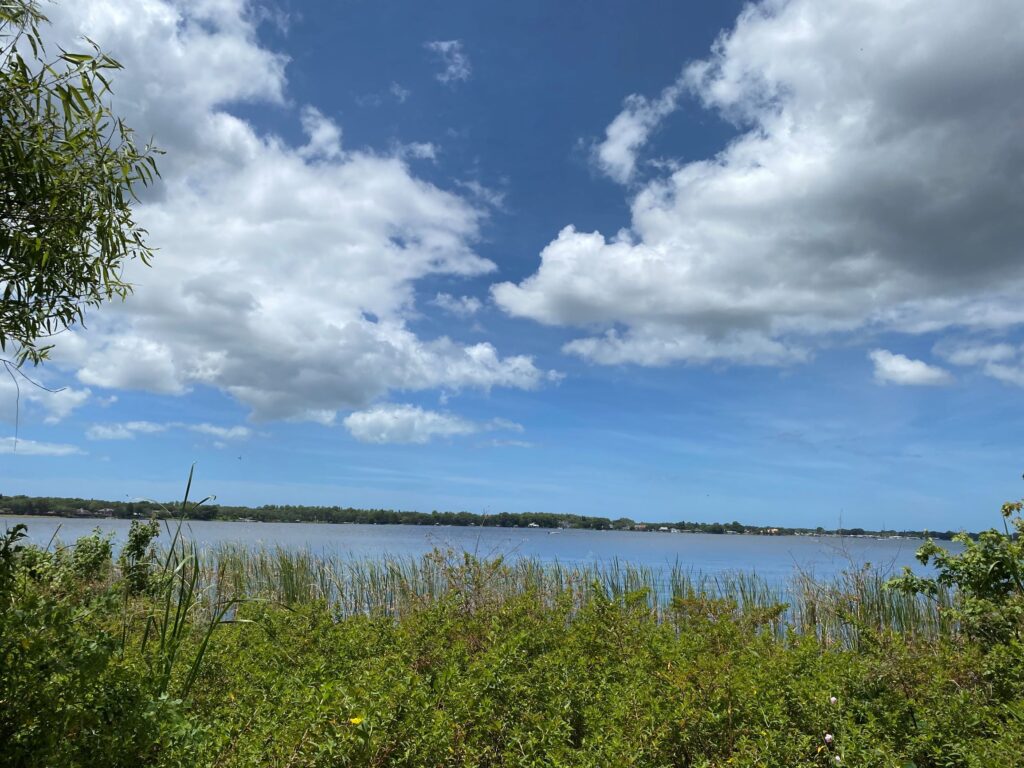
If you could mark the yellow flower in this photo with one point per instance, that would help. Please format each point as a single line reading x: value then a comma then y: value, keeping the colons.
x: 355, y: 720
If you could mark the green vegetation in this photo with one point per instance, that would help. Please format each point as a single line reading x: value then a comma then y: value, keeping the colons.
x: 290, y: 513
x: 234, y: 657
x: 68, y: 173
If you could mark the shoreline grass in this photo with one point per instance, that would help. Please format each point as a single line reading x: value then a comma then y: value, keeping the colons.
x: 835, y: 610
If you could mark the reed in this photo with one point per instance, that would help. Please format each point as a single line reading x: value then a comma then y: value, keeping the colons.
x: 837, y: 611
x: 182, y: 610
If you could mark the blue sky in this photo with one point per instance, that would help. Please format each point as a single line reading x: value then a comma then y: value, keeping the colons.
x: 665, y: 260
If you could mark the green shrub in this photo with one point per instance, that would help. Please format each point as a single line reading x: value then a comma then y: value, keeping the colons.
x: 456, y: 661
x: 986, y: 577
x: 67, y: 696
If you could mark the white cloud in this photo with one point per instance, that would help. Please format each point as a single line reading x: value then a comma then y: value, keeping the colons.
x: 875, y: 183
x: 395, y: 91
x: 400, y: 93
x: 33, y: 448
x: 461, y: 306
x: 224, y: 433
x: 404, y: 424
x: 285, y: 274
x: 123, y: 431
x: 60, y: 402
x: 490, y: 197
x: 109, y: 432
x: 456, y: 63
x: 1000, y: 361
x: 129, y: 429
x: 892, y: 368
x: 1008, y: 374
x: 616, y: 156
x: 324, y: 136
x: 506, y: 426
x: 657, y: 345
x: 417, y: 150
x: 976, y: 354
x: 127, y: 361
x: 390, y: 423
x: 56, y: 403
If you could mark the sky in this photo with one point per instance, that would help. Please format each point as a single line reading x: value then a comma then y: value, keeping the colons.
x: 666, y: 260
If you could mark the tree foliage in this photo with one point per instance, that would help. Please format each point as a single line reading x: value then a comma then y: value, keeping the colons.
x: 69, y: 171
x: 988, y: 576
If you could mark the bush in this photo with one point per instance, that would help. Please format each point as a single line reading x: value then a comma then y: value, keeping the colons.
x: 112, y: 664
x: 986, y: 577
x: 68, y: 697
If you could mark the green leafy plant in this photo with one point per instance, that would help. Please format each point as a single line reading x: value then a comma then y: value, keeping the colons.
x: 178, y: 611
x: 69, y: 170
x: 138, y: 556
x: 986, y: 577
x: 67, y: 697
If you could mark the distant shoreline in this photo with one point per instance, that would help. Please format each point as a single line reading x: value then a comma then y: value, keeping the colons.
x: 805, y: 534
x: 53, y: 507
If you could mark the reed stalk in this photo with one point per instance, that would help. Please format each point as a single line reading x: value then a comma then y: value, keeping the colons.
x: 836, y: 611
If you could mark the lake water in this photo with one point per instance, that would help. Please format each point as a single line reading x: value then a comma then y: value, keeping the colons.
x: 775, y: 558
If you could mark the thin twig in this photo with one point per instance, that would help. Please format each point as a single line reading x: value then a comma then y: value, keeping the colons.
x: 12, y: 368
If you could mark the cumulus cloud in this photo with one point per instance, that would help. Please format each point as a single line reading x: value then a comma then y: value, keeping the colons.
x: 391, y: 423
x: 875, y: 182
x: 460, y: 306
x: 616, y: 156
x: 456, y: 63
x: 404, y: 424
x: 285, y: 274
x: 34, y: 448
x: 891, y: 368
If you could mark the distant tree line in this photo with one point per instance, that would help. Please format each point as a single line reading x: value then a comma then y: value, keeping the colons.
x: 290, y: 513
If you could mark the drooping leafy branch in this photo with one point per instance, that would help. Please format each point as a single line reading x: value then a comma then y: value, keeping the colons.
x: 69, y: 172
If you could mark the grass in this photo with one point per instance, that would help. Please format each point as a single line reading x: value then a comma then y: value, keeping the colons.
x: 834, y: 611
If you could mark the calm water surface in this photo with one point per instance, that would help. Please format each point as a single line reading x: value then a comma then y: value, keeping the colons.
x: 774, y: 558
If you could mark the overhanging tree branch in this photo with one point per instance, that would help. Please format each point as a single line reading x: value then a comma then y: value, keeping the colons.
x: 69, y: 170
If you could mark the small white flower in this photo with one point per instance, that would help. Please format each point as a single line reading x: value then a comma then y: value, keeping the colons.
x: 833, y: 700
x: 829, y: 738
x: 838, y: 759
